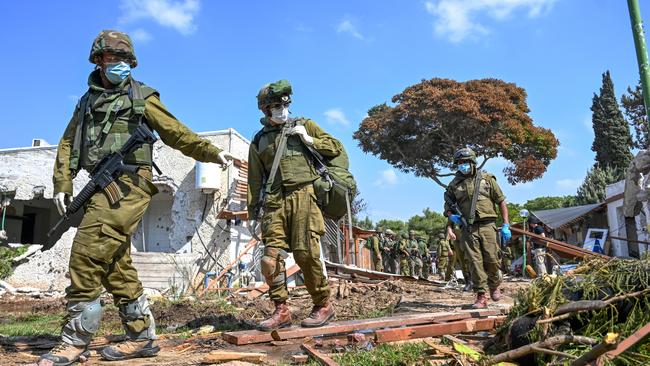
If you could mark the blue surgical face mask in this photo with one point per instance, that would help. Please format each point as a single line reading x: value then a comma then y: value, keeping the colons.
x: 465, y: 168
x: 116, y: 72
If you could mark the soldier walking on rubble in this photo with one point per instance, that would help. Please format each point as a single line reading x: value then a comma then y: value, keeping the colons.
x: 444, y: 252
x: 292, y: 220
x: 102, y: 121
x: 391, y: 253
x: 401, y: 248
x: 415, y: 260
x: 477, y: 194
x: 426, y: 257
x: 458, y: 257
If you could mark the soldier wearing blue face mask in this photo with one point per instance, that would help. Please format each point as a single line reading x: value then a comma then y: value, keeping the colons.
x: 478, y: 195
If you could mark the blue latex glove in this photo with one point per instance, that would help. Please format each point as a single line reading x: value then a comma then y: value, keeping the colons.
x: 456, y: 219
x: 506, y: 234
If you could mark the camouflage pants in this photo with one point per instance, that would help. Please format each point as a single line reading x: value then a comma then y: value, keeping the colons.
x: 404, y: 269
x: 481, y: 248
x: 426, y: 267
x: 377, y: 261
x: 443, y: 263
x: 294, y: 223
x: 506, y: 259
x: 386, y: 261
x: 459, y: 259
x: 393, y: 265
x: 416, y: 266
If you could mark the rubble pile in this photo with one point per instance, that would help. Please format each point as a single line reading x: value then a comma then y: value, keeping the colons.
x: 580, y: 315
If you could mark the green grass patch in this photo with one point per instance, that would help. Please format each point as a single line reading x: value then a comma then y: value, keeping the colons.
x: 31, y: 325
x: 383, y: 355
x: 6, y: 255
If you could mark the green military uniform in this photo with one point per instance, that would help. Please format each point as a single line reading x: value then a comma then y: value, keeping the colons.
x: 292, y: 220
x: 480, y: 244
x: 100, y: 256
x: 415, y: 261
x: 373, y: 244
x: 402, y: 248
x: 506, y: 259
x: 385, y: 245
x: 458, y: 258
x: 426, y: 258
x: 392, y: 253
x: 443, y: 257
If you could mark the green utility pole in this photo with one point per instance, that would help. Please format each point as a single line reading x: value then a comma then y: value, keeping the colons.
x: 525, y: 227
x: 641, y: 51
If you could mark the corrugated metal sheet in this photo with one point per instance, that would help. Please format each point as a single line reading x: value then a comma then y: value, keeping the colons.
x: 558, y: 217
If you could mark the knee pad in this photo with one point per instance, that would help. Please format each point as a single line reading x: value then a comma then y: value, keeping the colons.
x: 82, y: 321
x: 272, y: 265
x: 137, y: 319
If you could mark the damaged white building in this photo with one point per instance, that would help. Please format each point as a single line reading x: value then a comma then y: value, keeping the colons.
x: 190, y: 229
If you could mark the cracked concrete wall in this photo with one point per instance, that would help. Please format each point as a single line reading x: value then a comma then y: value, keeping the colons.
x: 26, y: 170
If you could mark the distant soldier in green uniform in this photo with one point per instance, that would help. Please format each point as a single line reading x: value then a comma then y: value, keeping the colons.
x: 292, y: 220
x: 402, y: 249
x: 392, y: 252
x: 458, y: 258
x: 444, y: 252
x: 100, y: 257
x: 426, y: 258
x: 477, y: 194
x: 373, y: 243
x: 385, y: 247
x: 415, y: 260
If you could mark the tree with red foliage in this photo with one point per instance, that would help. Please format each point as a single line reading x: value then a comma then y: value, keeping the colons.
x: 432, y: 119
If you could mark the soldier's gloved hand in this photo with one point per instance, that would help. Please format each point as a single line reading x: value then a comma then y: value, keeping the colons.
x: 456, y: 219
x: 302, y: 132
x: 506, y: 234
x: 225, y: 158
x: 61, y: 201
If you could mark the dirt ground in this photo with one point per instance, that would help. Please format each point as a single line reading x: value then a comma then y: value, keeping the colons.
x: 351, y: 301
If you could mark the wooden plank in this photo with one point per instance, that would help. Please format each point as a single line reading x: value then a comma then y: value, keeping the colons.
x: 436, y: 330
x: 343, y: 327
x: 259, y: 291
x: 225, y: 356
x: 561, y: 247
x: 323, y: 359
x: 298, y: 359
x: 627, y: 343
x: 251, y: 244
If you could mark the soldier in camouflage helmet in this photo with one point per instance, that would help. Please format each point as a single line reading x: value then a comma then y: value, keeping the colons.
x: 291, y: 220
x: 402, y: 248
x: 100, y: 255
x: 391, y: 255
x: 415, y: 260
x: 477, y: 195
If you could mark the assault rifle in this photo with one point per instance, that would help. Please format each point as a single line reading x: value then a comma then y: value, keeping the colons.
x: 106, y: 172
x: 453, y: 207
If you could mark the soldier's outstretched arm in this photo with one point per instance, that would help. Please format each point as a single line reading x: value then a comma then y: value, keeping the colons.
x: 61, y: 176
x: 178, y: 136
x: 324, y: 143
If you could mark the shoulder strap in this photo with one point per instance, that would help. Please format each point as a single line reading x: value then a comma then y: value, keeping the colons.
x: 78, y: 135
x: 477, y: 186
x: 279, y: 152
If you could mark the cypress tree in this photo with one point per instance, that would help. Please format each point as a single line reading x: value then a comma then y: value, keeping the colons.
x: 612, y: 138
x: 592, y: 189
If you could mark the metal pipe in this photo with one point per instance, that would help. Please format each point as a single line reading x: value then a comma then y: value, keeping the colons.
x: 641, y: 51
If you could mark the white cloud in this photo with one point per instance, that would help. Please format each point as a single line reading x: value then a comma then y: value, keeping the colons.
x: 346, y: 26
x: 569, y: 184
x: 387, y: 177
x: 167, y: 13
x: 457, y: 20
x: 140, y: 35
x: 336, y: 116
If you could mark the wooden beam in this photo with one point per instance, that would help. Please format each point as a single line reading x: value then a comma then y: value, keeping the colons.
x: 436, y: 330
x: 322, y: 358
x: 343, y: 327
x: 565, y: 248
x: 225, y: 356
x: 259, y: 291
x: 251, y: 244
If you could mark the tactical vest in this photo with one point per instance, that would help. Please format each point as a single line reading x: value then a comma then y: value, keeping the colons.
x: 105, y: 121
x: 463, y: 191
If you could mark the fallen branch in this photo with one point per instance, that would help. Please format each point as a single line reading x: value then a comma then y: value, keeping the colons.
x: 629, y: 342
x: 568, y: 310
x: 322, y: 358
x: 608, y: 343
x: 530, y: 348
x: 554, y: 353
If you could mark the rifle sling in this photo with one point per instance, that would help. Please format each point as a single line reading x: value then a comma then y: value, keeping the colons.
x: 477, y: 186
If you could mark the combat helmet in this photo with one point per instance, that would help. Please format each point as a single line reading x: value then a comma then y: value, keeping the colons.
x: 464, y: 154
x: 441, y: 235
x: 278, y: 92
x: 404, y: 235
x: 115, y: 42
x: 390, y: 232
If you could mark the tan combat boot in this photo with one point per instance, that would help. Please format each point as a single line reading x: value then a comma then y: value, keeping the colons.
x: 481, y: 301
x: 281, y: 318
x: 64, y: 354
x: 131, y: 349
x: 320, y: 315
x: 495, y: 294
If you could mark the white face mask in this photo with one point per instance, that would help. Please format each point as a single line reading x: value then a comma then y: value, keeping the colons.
x: 280, y: 114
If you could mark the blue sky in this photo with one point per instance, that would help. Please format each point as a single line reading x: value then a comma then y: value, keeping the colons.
x: 208, y: 59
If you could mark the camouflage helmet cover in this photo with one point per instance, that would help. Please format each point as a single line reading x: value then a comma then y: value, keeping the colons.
x: 381, y: 229
x: 278, y: 92
x: 115, y: 42
x: 441, y: 235
x: 465, y: 154
x: 404, y: 235
x: 390, y: 232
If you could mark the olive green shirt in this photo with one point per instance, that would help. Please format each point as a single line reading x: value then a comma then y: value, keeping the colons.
x: 490, y: 195
x: 296, y: 167
x: 443, y: 248
x: 171, y: 131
